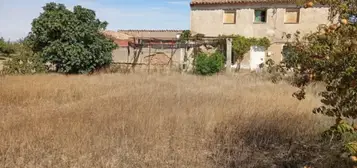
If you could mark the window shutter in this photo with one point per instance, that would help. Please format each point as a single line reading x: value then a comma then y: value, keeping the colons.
x: 229, y: 17
x: 291, y: 16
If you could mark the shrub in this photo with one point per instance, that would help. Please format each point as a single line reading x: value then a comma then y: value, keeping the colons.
x: 26, y: 62
x: 71, y: 40
x: 6, y: 48
x: 205, y: 64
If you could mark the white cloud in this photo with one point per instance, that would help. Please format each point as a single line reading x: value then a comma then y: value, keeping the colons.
x: 16, y: 16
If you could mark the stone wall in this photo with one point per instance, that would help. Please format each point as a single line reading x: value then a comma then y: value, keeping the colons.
x: 146, y: 56
x: 208, y: 20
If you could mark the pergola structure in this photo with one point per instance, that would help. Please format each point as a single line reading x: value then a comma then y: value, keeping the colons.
x: 136, y: 40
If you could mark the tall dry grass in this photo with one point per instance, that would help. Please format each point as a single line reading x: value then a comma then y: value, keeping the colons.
x: 155, y: 121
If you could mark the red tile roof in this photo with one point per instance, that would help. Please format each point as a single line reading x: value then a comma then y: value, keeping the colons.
x: 215, y: 2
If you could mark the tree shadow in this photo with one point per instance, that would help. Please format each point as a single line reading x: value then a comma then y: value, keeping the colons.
x: 262, y: 143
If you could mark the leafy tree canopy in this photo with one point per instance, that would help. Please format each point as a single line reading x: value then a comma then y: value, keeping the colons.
x: 71, y: 40
x: 185, y: 35
x: 328, y: 55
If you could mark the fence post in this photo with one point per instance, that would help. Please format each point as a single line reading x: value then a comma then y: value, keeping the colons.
x: 149, y: 63
x: 229, y: 55
x: 182, y: 56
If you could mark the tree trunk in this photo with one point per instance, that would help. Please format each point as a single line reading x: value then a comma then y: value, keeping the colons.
x: 238, y: 62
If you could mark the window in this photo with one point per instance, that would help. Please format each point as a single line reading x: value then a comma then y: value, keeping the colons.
x: 229, y: 17
x: 260, y: 16
x: 292, y: 16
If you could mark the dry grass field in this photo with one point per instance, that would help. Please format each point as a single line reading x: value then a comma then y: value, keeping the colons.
x: 153, y: 121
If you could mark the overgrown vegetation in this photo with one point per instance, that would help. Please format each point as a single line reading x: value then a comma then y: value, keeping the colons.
x: 328, y: 55
x: 6, y: 47
x: 70, y: 40
x: 24, y: 62
x: 241, y: 45
x: 205, y: 64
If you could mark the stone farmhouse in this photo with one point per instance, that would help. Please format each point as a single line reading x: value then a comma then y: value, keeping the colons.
x: 255, y: 18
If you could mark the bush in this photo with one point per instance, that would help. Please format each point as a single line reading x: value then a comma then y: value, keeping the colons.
x: 205, y: 64
x: 6, y: 48
x: 26, y: 62
x: 71, y: 40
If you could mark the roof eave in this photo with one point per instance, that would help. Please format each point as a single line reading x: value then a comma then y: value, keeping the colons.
x: 239, y: 3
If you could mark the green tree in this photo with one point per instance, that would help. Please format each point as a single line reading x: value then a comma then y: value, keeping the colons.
x: 185, y: 36
x: 328, y: 55
x: 240, y: 46
x: 71, y: 40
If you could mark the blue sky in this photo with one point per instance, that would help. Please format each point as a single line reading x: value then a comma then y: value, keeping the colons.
x: 16, y: 15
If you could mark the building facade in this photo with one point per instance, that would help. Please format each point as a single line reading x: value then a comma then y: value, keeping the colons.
x: 255, y: 18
